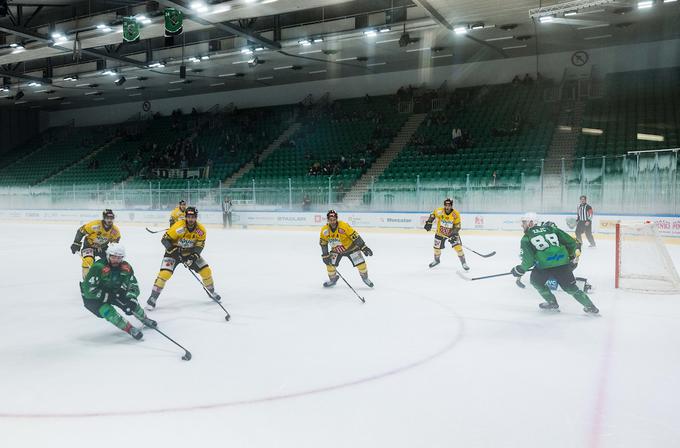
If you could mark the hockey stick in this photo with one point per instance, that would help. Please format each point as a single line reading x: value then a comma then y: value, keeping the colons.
x: 490, y: 254
x: 187, y: 353
x: 211, y: 295
x: 155, y: 231
x: 463, y: 276
x: 350, y: 287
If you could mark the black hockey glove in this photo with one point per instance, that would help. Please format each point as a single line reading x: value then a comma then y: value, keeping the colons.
x: 190, y: 259
x: 455, y: 240
x: 518, y: 271
x: 327, y: 259
x: 428, y: 225
x: 75, y: 247
x: 367, y: 251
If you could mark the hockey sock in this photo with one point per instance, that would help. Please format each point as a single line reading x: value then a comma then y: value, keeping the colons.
x: 139, y: 311
x: 544, y: 291
x: 331, y: 271
x: 159, y: 284
x: 459, y: 251
x: 206, y: 275
x: 437, y: 253
x: 86, y: 265
x: 363, y: 270
x: 579, y: 295
x: 110, y: 314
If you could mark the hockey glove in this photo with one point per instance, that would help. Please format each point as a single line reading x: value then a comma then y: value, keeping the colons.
x: 327, y: 259
x: 75, y: 247
x: 190, y: 259
x: 367, y: 251
x: 428, y: 225
x: 518, y: 271
x: 455, y: 240
x: 171, y: 252
x: 574, y: 260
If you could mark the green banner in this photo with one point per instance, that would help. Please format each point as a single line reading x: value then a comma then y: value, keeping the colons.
x: 130, y: 29
x: 173, y: 22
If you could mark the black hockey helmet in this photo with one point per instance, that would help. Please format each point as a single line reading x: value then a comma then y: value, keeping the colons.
x: 332, y: 213
x: 182, y: 202
x: 191, y: 211
x: 108, y: 213
x: 448, y: 201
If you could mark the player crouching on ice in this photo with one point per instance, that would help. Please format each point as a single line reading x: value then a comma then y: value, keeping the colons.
x: 551, y: 253
x: 111, y: 282
x: 344, y: 242
x: 448, y: 228
x: 183, y: 243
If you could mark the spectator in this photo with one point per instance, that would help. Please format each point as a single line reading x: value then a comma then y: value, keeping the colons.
x: 306, y: 203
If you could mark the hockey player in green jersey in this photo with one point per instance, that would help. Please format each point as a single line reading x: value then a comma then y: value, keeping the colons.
x: 551, y: 253
x: 111, y: 282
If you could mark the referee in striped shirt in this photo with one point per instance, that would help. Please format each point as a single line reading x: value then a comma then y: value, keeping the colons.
x: 584, y: 221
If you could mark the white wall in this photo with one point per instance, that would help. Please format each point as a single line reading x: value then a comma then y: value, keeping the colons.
x: 610, y: 59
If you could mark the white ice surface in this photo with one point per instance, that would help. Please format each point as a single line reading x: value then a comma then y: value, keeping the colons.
x: 429, y: 361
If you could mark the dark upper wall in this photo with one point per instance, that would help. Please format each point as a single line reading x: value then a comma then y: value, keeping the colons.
x: 17, y: 126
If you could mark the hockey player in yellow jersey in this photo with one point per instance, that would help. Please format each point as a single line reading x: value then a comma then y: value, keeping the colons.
x: 183, y: 243
x: 344, y: 241
x: 448, y: 228
x: 177, y: 214
x: 98, y: 234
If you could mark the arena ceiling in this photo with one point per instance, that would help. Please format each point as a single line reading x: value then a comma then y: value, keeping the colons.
x: 54, y: 53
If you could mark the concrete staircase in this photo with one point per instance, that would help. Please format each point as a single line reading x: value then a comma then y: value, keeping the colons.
x: 355, y: 195
x: 565, y: 137
x: 273, y: 146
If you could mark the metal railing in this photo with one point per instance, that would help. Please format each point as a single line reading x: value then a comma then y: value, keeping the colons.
x: 638, y: 183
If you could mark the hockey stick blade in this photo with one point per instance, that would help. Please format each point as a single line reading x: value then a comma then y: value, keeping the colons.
x: 227, y: 316
x: 490, y: 254
x: 483, y: 277
x: 155, y: 231
x: 463, y: 276
x: 350, y: 287
x: 187, y: 353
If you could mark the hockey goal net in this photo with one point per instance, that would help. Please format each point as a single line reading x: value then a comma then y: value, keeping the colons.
x: 643, y: 263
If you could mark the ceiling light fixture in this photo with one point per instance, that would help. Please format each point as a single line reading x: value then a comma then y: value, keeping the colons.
x: 566, y: 7
x: 546, y: 19
x: 34, y: 84
x: 120, y: 81
x: 384, y: 29
x: 199, y: 7
x: 602, y: 36
x: 224, y: 75
x: 645, y: 4
x: 143, y: 19
x: 103, y: 28
x: 58, y: 37
x: 71, y: 78
x: 460, y: 30
x: 370, y: 33
x: 305, y: 42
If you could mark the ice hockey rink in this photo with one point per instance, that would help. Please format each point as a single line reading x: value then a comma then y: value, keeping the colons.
x: 429, y: 360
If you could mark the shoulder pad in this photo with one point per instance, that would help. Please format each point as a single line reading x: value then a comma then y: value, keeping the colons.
x: 125, y: 266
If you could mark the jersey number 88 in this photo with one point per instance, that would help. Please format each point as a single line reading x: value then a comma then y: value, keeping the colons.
x: 542, y: 242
